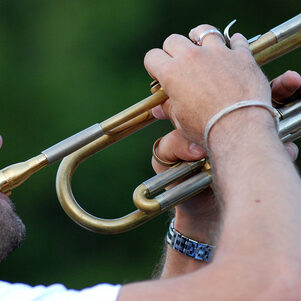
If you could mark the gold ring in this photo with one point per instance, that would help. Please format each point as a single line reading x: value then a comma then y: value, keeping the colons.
x: 160, y: 161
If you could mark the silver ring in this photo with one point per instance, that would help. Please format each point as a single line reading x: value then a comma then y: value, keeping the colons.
x: 207, y: 32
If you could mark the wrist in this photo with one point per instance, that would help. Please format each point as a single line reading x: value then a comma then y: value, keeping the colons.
x: 239, y: 132
x: 240, y: 145
x: 186, y: 245
x: 198, y: 227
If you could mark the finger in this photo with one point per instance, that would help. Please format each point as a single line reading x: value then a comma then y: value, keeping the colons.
x: 168, y: 113
x: 1, y: 141
x: 151, y: 75
x: 173, y: 147
x: 239, y: 42
x: 210, y: 39
x: 292, y: 150
x: 285, y: 85
x: 159, y: 113
x: 162, y: 111
x: 176, y: 44
x: 154, y: 60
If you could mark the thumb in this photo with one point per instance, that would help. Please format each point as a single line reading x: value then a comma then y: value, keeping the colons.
x: 173, y: 147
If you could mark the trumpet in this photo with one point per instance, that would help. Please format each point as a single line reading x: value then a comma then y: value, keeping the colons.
x: 148, y: 196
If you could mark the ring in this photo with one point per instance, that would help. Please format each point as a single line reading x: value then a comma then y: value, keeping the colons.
x: 160, y: 161
x: 207, y: 32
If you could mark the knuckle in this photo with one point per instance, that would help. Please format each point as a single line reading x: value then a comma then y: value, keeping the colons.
x: 170, y: 40
x: 290, y: 74
x: 149, y: 55
x: 195, y: 32
x: 239, y: 37
x: 201, y: 28
x: 173, y: 36
x: 174, y: 137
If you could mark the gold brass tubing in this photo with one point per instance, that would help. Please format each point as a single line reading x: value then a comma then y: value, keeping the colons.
x: 79, y: 215
x: 14, y: 175
x: 135, y: 110
x: 279, y: 49
x: 141, y: 200
x: 73, y: 209
x: 266, y: 40
x: 139, y: 119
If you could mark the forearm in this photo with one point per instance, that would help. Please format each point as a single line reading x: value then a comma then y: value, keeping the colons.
x: 260, y: 189
x: 200, y: 228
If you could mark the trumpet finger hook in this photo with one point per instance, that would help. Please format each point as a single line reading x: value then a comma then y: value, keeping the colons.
x: 226, y: 32
x: 228, y: 38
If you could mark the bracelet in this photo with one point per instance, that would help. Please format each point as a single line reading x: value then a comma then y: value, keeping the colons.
x: 236, y: 106
x: 188, y: 246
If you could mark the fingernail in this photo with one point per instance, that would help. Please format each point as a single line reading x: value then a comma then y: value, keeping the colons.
x: 196, y: 149
x: 158, y: 112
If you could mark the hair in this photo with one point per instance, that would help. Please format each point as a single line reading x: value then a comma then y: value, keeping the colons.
x: 12, y: 230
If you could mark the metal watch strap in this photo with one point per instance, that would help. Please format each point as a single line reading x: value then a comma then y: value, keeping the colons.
x: 188, y: 246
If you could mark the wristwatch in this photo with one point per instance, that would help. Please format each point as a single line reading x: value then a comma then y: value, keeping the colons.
x: 188, y: 246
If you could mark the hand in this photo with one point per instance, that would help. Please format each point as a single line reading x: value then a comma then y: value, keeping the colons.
x: 286, y: 85
x: 283, y: 87
x: 197, y: 217
x: 200, y: 214
x: 202, y: 80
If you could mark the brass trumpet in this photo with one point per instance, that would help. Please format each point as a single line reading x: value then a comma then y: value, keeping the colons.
x: 147, y: 197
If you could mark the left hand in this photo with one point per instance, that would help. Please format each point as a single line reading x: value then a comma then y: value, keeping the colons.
x: 202, y: 80
x: 197, y: 217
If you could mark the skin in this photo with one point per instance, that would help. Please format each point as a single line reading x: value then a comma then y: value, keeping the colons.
x: 258, y: 255
x: 200, y: 218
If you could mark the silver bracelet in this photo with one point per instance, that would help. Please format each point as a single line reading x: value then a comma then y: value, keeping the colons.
x: 188, y: 246
x: 236, y: 106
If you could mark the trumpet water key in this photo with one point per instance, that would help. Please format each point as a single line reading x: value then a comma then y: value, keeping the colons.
x: 75, y: 149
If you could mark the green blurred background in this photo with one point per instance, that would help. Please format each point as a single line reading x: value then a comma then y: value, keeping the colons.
x: 65, y: 65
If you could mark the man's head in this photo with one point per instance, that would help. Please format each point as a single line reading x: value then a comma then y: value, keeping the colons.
x: 12, y: 230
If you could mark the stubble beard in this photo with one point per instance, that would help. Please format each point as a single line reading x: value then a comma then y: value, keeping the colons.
x: 12, y: 229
